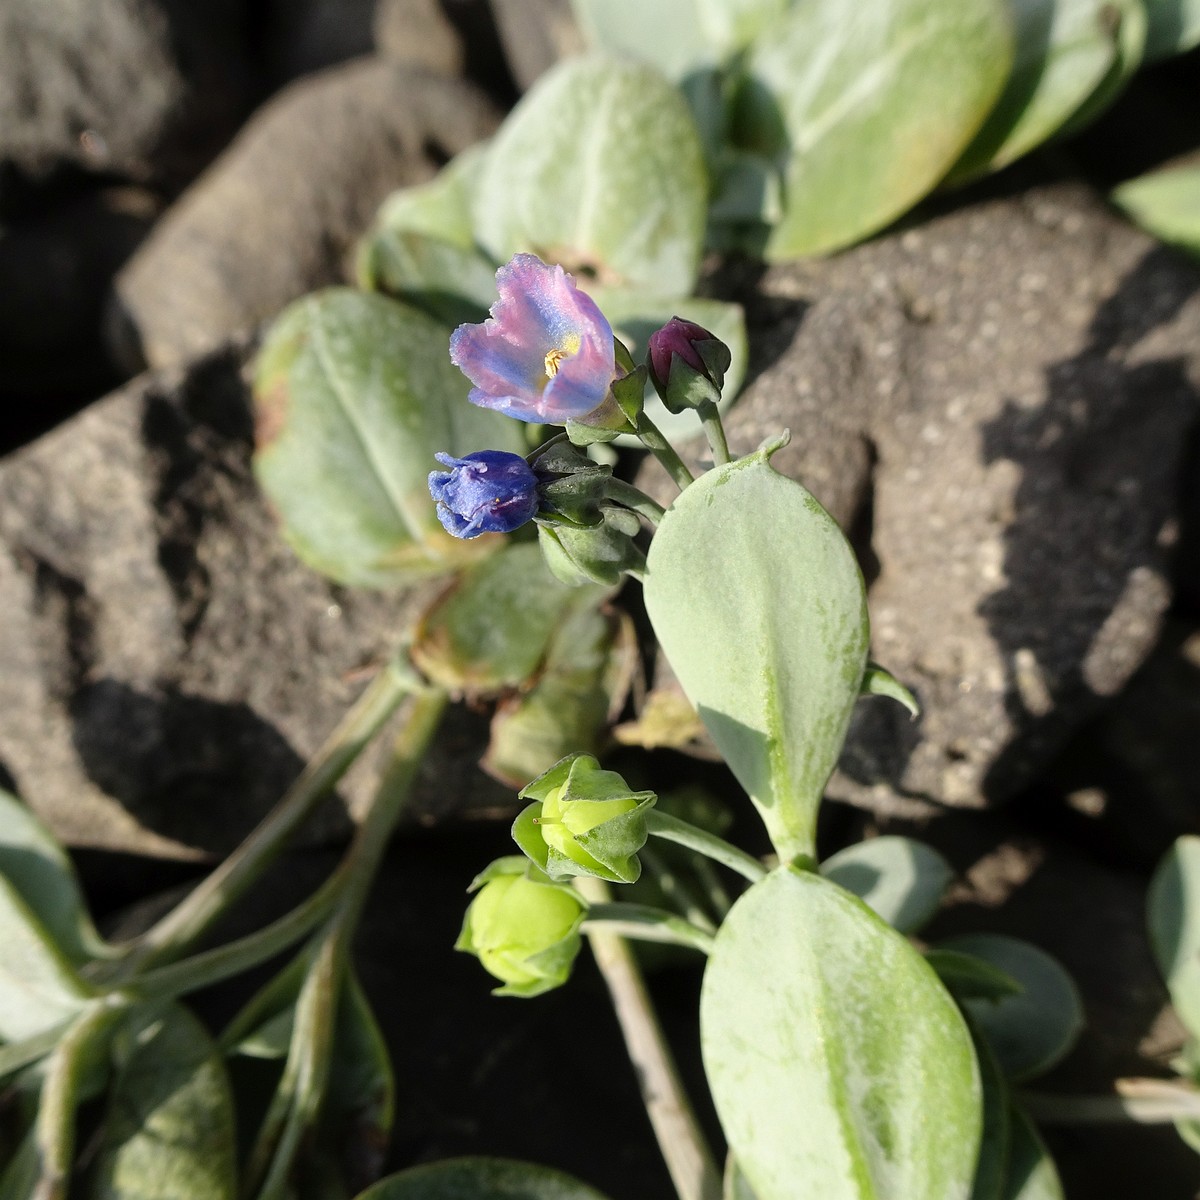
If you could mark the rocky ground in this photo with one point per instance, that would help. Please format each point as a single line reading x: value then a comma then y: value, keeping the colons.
x: 999, y: 401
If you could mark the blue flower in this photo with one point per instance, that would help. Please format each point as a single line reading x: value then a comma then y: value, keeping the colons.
x: 545, y: 355
x: 490, y: 491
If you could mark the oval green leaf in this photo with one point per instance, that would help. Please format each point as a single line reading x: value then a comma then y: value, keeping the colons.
x: 587, y: 674
x: 1128, y: 23
x: 1064, y: 50
x: 599, y: 167
x: 839, y: 1065
x: 42, y: 874
x: 1173, y: 914
x: 170, y: 1129
x: 1033, y: 1029
x: 1174, y: 26
x: 39, y: 988
x: 866, y: 107
x: 901, y: 879
x: 490, y: 630
x: 480, y: 1179
x: 354, y: 394
x: 1166, y: 204
x: 758, y: 602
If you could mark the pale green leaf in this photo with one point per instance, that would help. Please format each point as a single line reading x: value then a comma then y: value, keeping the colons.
x: 1128, y: 23
x: 169, y: 1134
x: 1166, y: 204
x: 39, y: 988
x: 880, y: 682
x: 42, y: 874
x: 758, y: 603
x: 588, y: 667
x: 839, y: 1065
x: 1173, y: 914
x: 900, y: 879
x: 599, y: 167
x: 1064, y: 50
x: 1031, y: 1030
x: 438, y: 209
x: 866, y: 107
x: 354, y: 394
x: 491, y: 629
x: 445, y: 281
x: 480, y: 1179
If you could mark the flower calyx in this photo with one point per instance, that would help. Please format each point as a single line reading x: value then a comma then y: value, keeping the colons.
x: 583, y: 821
x: 687, y: 365
x: 523, y: 927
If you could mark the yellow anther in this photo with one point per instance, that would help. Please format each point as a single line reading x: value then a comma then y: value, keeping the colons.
x: 553, y: 358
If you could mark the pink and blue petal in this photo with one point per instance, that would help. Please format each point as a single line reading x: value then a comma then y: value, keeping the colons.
x: 540, y: 316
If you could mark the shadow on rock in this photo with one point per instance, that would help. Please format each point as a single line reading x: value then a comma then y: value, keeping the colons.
x: 191, y: 769
x: 1099, y: 476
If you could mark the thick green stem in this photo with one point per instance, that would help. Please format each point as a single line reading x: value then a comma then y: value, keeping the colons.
x: 296, y: 1103
x: 55, y: 1126
x: 646, y: 924
x: 191, y: 918
x: 1138, y: 1101
x: 714, y: 430
x: 676, y: 889
x: 652, y: 438
x: 671, y: 829
x: 635, y: 499
x: 679, y: 1135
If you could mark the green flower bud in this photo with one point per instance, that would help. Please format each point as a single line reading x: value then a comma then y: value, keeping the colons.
x: 600, y: 553
x: 523, y: 928
x: 583, y: 821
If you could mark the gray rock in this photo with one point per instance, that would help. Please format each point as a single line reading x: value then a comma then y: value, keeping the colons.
x: 146, y: 88
x: 994, y: 405
x: 276, y: 215
x: 535, y: 35
x: 166, y: 665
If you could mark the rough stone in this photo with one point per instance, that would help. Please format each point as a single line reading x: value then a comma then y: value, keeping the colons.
x: 535, y: 35
x: 166, y: 665
x: 302, y: 37
x: 275, y: 216
x: 142, y: 88
x: 994, y: 405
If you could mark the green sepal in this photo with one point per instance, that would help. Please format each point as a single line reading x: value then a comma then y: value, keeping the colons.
x: 630, y: 394
x: 579, y: 488
x: 878, y: 681
x: 536, y: 954
x: 686, y: 388
x: 607, y: 846
x: 602, y: 553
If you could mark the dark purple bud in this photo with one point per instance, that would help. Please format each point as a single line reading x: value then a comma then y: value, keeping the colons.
x: 490, y: 491
x: 687, y: 364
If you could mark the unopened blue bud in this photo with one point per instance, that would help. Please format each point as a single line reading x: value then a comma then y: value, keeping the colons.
x: 490, y: 491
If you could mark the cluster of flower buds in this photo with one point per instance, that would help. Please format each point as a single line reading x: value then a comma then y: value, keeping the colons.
x: 547, y: 355
x: 523, y: 925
